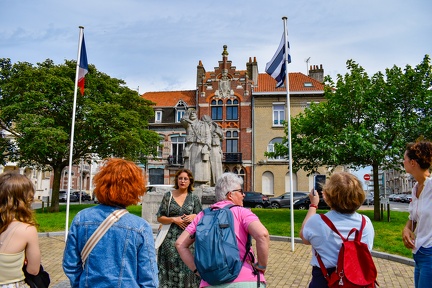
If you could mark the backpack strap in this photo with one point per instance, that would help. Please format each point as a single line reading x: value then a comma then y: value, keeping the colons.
x: 248, y: 251
x: 357, y: 237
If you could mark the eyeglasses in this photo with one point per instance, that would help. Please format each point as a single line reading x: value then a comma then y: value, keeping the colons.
x: 183, y: 179
x: 238, y: 190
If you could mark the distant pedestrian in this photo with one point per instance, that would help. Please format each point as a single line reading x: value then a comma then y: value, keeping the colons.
x: 18, y: 234
x: 417, y: 233
x: 125, y: 255
x: 344, y: 193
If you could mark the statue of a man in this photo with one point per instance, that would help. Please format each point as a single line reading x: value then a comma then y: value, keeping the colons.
x: 196, y: 154
x: 216, y: 150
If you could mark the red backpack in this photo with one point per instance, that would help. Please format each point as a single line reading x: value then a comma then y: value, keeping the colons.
x: 355, y: 267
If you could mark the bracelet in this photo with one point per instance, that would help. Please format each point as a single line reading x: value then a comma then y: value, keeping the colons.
x: 259, y: 266
x: 195, y: 271
x: 314, y: 206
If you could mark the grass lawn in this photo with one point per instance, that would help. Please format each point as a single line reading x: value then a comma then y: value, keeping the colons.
x: 387, y: 234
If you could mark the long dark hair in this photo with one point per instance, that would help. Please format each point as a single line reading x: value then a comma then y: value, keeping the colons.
x: 16, y: 197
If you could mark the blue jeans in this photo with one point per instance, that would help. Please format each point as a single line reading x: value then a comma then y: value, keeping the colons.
x: 423, y: 267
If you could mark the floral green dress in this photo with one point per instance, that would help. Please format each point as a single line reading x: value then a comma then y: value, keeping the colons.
x: 173, y: 273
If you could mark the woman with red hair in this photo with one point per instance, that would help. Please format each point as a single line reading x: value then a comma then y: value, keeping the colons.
x: 125, y: 255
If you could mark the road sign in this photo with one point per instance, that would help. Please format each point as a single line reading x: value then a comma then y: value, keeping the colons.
x: 366, y: 177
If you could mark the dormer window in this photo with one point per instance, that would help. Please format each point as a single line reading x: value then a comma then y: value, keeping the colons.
x: 179, y: 115
x: 158, y: 116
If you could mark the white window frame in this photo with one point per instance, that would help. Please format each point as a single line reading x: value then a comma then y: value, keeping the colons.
x: 158, y: 116
x: 278, y: 114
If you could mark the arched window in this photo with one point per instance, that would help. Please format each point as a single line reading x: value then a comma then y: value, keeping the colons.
x: 216, y: 109
x: 232, y: 109
x: 267, y: 183
x: 271, y: 147
x: 287, y: 182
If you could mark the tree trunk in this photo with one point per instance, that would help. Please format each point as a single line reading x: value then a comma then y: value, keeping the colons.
x: 377, y: 214
x: 55, y: 189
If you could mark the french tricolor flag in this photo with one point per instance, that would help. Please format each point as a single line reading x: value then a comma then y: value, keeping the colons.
x: 83, y: 67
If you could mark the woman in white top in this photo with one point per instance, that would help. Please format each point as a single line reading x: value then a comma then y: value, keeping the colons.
x: 344, y: 193
x: 417, y: 233
x: 18, y: 235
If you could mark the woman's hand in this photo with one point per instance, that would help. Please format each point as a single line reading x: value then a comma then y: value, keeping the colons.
x: 408, y: 238
x: 314, y: 197
x: 181, y: 221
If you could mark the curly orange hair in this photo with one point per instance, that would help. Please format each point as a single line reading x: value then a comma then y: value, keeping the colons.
x: 119, y: 183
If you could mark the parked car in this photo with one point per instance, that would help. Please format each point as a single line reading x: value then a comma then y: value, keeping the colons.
x: 369, y: 200
x: 303, y: 203
x: 391, y: 197
x: 405, y: 198
x: 283, y: 201
x: 398, y: 198
x: 255, y: 200
x: 84, y: 195
x: 63, y: 196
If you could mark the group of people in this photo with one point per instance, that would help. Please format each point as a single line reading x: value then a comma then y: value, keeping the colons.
x: 126, y: 256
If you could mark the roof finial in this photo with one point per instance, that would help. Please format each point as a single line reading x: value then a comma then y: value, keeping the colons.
x: 225, y: 52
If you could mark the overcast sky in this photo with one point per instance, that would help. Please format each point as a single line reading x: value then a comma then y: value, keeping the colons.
x: 156, y: 45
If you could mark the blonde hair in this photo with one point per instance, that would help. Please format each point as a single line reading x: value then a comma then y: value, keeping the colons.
x: 344, y: 192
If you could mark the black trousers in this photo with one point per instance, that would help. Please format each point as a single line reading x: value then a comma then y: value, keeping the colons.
x: 318, y: 280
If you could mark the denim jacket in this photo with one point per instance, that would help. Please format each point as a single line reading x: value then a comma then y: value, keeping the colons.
x: 124, y: 257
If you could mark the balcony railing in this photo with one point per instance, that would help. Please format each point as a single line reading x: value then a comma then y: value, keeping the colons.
x: 175, y: 160
x: 232, y: 158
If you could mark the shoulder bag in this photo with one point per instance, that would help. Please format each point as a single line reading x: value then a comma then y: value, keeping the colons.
x: 163, y: 228
x: 100, y: 231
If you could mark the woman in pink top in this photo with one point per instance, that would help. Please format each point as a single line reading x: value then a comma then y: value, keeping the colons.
x: 228, y: 191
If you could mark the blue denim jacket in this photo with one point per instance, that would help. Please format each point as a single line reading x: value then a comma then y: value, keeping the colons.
x: 124, y: 257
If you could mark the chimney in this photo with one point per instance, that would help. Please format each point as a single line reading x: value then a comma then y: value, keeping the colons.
x: 200, y: 74
x: 252, y: 70
x: 317, y: 73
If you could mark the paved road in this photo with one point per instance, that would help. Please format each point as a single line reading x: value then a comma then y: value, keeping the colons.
x: 285, y: 268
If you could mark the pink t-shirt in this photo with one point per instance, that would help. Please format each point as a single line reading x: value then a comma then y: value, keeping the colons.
x: 242, y: 218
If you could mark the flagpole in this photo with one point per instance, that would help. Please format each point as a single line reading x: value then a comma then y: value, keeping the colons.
x: 81, y: 33
x: 289, y: 130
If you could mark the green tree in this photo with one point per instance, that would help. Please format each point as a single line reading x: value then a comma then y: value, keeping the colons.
x: 36, y: 109
x: 365, y: 121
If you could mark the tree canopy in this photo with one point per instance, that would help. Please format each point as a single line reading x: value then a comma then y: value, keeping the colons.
x: 365, y: 121
x: 36, y: 109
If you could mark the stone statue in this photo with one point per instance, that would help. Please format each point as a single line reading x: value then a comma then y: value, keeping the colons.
x: 196, y: 154
x: 216, y: 150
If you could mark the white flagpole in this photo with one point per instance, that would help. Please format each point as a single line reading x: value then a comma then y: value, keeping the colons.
x: 81, y: 33
x: 289, y: 130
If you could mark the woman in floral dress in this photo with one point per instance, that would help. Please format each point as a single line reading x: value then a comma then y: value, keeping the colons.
x: 178, y: 208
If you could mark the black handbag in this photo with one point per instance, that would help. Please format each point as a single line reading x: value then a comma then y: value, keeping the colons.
x: 41, y: 280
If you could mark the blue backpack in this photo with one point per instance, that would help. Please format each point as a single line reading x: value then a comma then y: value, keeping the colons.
x: 217, y: 256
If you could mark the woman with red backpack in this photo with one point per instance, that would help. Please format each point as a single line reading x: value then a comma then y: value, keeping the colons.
x: 344, y: 193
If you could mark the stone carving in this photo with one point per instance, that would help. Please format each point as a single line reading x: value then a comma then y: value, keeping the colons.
x: 196, y: 154
x: 216, y: 149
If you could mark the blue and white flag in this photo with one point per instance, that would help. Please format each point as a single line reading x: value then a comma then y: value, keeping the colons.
x: 276, y: 67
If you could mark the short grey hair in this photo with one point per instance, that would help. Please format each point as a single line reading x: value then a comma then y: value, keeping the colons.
x: 225, y: 183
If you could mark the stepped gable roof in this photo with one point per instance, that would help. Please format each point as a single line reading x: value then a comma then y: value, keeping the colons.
x: 297, y: 83
x: 171, y: 98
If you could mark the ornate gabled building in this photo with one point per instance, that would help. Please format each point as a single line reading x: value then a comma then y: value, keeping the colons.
x: 248, y: 108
